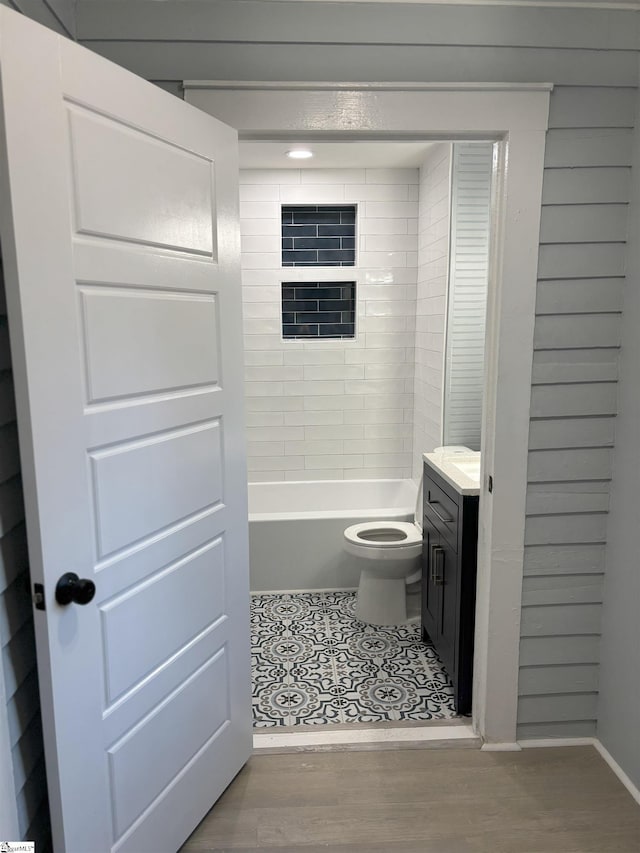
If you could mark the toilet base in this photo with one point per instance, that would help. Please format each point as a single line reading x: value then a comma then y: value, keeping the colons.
x: 381, y: 601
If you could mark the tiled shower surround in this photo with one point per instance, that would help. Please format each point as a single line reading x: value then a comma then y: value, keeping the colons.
x: 331, y: 409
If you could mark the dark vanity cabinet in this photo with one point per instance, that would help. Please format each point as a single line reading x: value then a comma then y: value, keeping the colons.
x: 449, y: 560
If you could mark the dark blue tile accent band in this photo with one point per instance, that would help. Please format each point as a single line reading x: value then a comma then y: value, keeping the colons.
x: 300, y: 331
x: 316, y: 242
x: 338, y: 305
x: 318, y: 235
x: 345, y: 256
x: 295, y: 257
x: 336, y: 330
x: 318, y: 317
x: 304, y: 230
x: 318, y: 309
x: 299, y: 305
x: 330, y: 231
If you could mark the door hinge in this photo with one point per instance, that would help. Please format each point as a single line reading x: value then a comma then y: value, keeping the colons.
x: 38, y: 596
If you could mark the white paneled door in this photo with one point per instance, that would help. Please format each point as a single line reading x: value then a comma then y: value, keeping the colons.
x: 120, y: 237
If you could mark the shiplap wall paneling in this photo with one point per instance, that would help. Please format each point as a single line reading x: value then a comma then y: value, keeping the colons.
x: 467, y: 298
x: 276, y: 23
x: 58, y: 15
x: 574, y: 401
x: 260, y: 40
x: 439, y: 64
x: 620, y: 672
x: 17, y: 641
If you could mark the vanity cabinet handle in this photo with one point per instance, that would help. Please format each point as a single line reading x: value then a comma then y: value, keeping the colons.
x: 444, y: 519
x: 436, y: 579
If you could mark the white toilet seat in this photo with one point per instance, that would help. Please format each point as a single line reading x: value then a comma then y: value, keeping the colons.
x: 383, y: 540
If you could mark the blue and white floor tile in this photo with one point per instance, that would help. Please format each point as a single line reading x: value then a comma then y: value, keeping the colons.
x: 314, y: 663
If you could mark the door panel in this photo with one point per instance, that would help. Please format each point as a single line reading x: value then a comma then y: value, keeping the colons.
x: 143, y: 486
x: 120, y: 238
x: 134, y: 341
x: 195, y: 582
x: 169, y: 190
x: 127, y: 709
x: 135, y: 781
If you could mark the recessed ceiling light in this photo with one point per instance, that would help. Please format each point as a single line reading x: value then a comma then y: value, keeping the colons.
x: 299, y: 153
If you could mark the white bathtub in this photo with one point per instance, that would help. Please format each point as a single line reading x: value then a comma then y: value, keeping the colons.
x: 295, y: 529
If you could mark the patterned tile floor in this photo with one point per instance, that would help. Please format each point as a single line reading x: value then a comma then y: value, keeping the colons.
x: 314, y: 663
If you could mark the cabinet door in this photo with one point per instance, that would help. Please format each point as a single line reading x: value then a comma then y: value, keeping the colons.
x: 445, y: 578
x: 431, y: 594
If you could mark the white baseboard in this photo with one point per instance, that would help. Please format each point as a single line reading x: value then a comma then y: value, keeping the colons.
x: 622, y: 776
x: 542, y: 742
x: 500, y: 747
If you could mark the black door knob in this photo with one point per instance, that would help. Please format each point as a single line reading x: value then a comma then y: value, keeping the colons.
x: 72, y: 588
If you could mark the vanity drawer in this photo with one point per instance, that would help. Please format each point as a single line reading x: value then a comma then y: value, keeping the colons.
x: 442, y: 511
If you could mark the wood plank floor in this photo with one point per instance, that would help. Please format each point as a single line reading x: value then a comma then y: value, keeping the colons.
x: 558, y: 800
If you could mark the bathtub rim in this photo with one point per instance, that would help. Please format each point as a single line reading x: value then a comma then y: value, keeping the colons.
x: 392, y: 513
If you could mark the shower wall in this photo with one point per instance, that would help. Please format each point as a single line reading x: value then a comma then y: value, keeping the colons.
x: 331, y: 409
x: 432, y: 277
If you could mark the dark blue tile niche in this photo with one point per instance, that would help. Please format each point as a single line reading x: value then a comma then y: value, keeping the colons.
x: 319, y: 236
x: 318, y: 309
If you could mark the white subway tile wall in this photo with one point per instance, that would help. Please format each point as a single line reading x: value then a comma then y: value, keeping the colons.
x: 433, y: 263
x: 331, y: 409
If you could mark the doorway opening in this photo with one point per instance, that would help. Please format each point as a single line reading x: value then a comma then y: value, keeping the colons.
x: 515, y: 117
x: 365, y: 275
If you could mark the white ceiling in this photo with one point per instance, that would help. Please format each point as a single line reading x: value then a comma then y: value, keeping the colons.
x: 333, y: 155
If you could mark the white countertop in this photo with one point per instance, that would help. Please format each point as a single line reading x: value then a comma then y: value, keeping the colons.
x: 460, y: 470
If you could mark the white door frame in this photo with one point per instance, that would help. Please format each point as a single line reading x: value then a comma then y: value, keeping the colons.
x: 517, y: 116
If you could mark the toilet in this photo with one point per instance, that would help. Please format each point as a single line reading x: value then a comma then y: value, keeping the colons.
x: 390, y: 551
